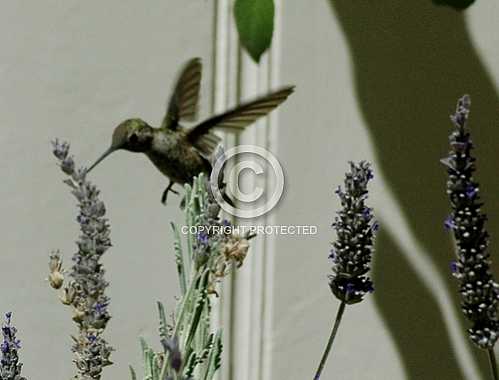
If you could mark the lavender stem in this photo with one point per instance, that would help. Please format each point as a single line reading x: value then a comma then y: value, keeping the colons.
x: 336, y: 325
x: 493, y: 364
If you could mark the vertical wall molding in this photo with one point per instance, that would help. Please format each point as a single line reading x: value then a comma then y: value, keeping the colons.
x: 246, y: 309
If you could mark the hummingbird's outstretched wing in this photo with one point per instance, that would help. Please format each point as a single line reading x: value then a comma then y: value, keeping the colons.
x: 238, y: 118
x: 184, y: 100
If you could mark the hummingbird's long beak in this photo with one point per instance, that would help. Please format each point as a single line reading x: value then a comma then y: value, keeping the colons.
x: 104, y: 155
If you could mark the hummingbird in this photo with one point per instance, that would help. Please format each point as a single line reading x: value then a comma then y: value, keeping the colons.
x: 182, y: 153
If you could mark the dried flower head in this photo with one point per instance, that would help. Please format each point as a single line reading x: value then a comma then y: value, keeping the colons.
x: 56, y: 277
x: 235, y: 249
x: 479, y: 291
x: 355, y: 231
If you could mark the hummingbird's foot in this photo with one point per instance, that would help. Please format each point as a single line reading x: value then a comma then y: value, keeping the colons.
x: 165, y: 193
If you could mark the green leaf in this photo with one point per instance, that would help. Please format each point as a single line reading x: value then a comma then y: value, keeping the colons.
x: 255, y: 24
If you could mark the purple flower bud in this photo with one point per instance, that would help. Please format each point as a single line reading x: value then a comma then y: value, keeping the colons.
x: 350, y: 288
x: 471, y: 191
x: 332, y: 254
x: 366, y: 213
x: 370, y: 287
x: 459, y: 147
x: 100, y: 308
x: 4, y: 347
x: 449, y: 223
x: 175, y: 358
x: 202, y: 237
x: 82, y: 219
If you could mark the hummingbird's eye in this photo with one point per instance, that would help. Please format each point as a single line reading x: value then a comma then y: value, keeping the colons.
x: 133, y: 139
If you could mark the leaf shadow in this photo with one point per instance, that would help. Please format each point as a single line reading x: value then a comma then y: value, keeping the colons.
x: 412, y: 316
x: 411, y: 61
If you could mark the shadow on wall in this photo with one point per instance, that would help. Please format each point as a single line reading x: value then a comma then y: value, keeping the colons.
x: 412, y: 60
x: 413, y: 316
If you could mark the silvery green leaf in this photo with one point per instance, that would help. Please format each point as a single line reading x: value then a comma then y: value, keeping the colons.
x: 154, y: 366
x: 188, y: 221
x: 162, y: 321
x: 207, y: 349
x: 179, y: 259
x: 215, y: 357
x: 191, y: 365
x: 201, y: 296
x: 143, y: 346
x: 149, y: 363
x: 184, y: 308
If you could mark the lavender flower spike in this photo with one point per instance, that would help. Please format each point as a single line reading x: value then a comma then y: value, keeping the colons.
x: 355, y: 230
x: 85, y: 292
x: 479, y: 291
x: 352, y: 251
x: 10, y: 368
